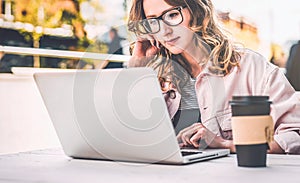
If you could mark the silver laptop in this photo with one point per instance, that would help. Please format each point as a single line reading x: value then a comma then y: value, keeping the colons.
x: 114, y: 114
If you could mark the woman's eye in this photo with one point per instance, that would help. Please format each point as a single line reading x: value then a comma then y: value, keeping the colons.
x: 172, y: 15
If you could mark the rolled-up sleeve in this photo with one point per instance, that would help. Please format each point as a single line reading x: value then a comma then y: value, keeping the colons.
x: 285, y: 111
x: 289, y: 141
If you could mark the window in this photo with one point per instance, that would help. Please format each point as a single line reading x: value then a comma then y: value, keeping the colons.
x: 7, y: 9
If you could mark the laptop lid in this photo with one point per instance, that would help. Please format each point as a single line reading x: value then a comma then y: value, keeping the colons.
x: 114, y: 114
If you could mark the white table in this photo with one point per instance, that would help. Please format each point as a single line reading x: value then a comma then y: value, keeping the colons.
x: 52, y: 165
x: 25, y: 124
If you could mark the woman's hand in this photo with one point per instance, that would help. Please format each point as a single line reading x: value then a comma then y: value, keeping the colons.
x: 199, y: 136
x: 144, y: 49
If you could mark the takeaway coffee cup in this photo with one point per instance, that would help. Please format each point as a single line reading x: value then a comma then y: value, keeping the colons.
x: 252, y: 129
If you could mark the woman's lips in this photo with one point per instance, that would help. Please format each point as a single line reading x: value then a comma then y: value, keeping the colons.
x: 172, y: 42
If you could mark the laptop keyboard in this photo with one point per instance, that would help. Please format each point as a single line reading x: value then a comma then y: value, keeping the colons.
x: 186, y: 153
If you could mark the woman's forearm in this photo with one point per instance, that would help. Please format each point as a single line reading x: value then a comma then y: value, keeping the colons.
x: 228, y: 144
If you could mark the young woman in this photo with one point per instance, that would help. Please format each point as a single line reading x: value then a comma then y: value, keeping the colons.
x: 183, y: 42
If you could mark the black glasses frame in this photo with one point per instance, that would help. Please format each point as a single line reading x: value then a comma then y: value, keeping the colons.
x: 146, y: 26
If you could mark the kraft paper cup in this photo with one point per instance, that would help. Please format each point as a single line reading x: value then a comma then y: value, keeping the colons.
x: 251, y: 155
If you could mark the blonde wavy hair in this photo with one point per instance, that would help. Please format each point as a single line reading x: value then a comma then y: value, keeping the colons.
x: 223, y: 54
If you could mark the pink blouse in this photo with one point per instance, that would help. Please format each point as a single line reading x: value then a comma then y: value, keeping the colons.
x: 255, y: 76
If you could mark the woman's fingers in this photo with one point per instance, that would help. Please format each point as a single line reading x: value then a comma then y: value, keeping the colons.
x: 137, y: 50
x: 151, y: 51
x: 145, y: 48
x: 196, y: 138
x: 186, y: 134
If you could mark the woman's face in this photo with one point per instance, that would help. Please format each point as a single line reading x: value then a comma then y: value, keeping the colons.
x: 177, y: 39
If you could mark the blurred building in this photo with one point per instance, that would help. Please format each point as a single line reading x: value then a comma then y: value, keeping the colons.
x: 52, y: 24
x: 242, y: 31
x: 246, y: 33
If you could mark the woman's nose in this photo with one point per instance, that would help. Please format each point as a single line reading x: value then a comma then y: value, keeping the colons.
x: 165, y: 29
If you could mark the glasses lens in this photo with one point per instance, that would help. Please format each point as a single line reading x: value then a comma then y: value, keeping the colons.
x: 153, y: 25
x: 172, y: 17
x: 140, y: 27
x: 148, y: 26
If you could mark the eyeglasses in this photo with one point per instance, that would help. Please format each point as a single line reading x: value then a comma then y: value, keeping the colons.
x: 171, y: 17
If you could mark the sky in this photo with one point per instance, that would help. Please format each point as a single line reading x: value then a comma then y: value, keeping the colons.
x: 277, y: 20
